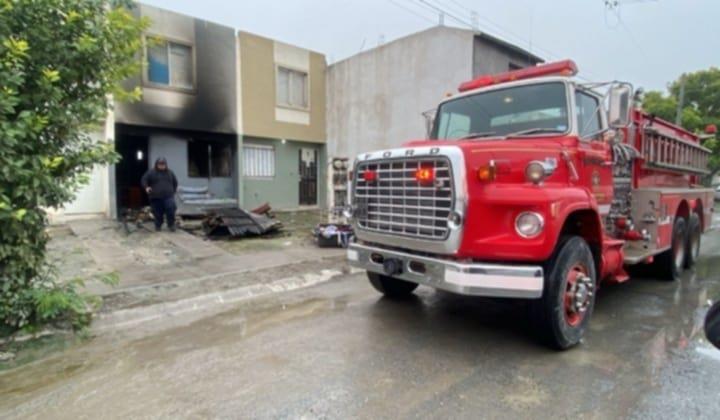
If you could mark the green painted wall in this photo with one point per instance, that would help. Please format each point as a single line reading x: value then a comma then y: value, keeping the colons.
x: 283, y: 191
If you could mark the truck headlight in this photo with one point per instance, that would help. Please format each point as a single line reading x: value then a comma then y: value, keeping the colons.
x: 535, y: 172
x: 455, y: 220
x: 529, y: 224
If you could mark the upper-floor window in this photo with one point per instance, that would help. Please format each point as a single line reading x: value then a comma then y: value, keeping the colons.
x: 588, y: 111
x: 170, y: 64
x: 292, y: 88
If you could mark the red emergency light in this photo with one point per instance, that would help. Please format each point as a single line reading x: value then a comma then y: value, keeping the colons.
x: 560, y: 68
x: 369, y: 176
x: 425, y: 175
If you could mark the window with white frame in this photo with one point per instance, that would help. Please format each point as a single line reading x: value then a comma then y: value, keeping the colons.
x: 170, y: 63
x: 292, y: 88
x: 258, y: 161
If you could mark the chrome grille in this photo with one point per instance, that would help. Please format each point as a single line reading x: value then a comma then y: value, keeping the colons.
x: 397, y: 203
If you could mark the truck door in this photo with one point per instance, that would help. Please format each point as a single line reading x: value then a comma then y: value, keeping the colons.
x: 595, y: 154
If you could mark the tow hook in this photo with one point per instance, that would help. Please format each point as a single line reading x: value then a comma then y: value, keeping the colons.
x: 392, y: 266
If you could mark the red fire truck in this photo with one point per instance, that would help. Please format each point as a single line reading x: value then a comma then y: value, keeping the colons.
x: 535, y: 186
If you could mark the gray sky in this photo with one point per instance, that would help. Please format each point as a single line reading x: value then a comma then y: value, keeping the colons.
x: 645, y: 42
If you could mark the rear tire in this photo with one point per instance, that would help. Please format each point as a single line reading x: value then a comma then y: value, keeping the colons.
x: 561, y: 315
x: 669, y: 264
x: 692, y: 245
x: 390, y: 286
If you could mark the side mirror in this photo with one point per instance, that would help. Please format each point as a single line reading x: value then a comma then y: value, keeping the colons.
x: 429, y: 117
x: 619, y: 105
x: 712, y: 325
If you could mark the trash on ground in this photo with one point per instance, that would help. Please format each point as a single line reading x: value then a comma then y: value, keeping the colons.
x: 264, y: 210
x: 133, y: 219
x: 238, y: 223
x: 328, y: 235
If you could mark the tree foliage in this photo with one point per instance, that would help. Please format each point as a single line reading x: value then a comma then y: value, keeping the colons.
x: 701, y: 105
x: 60, y: 62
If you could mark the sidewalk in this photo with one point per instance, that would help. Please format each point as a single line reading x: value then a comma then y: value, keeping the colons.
x: 164, y: 267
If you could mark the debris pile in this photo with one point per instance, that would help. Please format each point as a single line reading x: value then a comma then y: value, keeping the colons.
x: 133, y: 219
x: 333, y: 235
x: 238, y: 223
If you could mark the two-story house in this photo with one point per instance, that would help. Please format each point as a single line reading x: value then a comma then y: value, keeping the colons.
x: 282, y: 120
x: 238, y: 114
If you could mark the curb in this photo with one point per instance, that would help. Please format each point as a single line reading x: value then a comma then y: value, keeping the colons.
x: 195, y: 280
x: 204, y: 305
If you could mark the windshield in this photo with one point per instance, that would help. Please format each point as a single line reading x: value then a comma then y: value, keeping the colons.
x: 530, y: 109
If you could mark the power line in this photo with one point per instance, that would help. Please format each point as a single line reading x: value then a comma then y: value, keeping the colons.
x: 614, y: 7
x: 407, y: 9
x: 444, y: 12
x: 502, y: 31
x: 512, y: 36
x: 441, y: 8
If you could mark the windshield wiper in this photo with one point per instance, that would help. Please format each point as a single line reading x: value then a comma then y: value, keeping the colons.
x: 477, y: 135
x: 534, y: 131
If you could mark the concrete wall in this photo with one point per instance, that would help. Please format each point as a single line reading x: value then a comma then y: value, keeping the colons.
x: 260, y: 115
x: 491, y: 56
x: 376, y: 98
x: 175, y: 150
x: 211, y: 105
x: 283, y: 191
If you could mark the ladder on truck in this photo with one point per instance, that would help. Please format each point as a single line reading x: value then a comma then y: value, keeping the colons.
x: 665, y: 151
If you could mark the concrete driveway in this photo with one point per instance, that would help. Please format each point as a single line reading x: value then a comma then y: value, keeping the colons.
x: 339, y: 350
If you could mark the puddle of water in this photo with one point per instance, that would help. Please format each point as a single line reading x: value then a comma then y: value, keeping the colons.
x: 710, y: 352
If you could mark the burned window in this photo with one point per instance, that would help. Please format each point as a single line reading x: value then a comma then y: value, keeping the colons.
x: 208, y: 159
x: 169, y: 64
x: 221, y: 164
x: 198, y: 159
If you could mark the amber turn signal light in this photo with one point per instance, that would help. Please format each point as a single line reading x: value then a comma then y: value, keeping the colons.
x: 487, y: 173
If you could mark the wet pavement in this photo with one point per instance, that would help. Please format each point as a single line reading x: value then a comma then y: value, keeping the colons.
x: 339, y: 350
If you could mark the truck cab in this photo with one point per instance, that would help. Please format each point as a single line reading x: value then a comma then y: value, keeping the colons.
x: 522, y: 190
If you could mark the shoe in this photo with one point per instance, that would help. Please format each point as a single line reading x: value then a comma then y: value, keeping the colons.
x: 172, y: 228
x: 158, y: 228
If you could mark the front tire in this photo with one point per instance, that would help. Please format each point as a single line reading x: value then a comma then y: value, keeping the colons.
x: 390, y: 286
x: 562, y: 313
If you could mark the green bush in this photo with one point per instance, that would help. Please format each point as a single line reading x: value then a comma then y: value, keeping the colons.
x: 60, y: 62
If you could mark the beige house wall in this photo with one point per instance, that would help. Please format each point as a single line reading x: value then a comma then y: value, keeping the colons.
x: 260, y: 115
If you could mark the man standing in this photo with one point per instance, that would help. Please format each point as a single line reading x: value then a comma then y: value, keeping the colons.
x: 160, y: 184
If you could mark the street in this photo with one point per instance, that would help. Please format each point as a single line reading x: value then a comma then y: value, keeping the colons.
x: 339, y: 350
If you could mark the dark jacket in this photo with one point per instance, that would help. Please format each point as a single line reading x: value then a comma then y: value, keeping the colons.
x: 163, y: 183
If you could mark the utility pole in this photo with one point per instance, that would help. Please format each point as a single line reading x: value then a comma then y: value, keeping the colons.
x: 441, y: 19
x: 681, y: 102
x: 475, y: 21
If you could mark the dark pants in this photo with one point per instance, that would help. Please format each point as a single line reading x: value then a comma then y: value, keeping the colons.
x: 163, y: 208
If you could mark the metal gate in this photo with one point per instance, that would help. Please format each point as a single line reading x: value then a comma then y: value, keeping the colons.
x: 308, y: 171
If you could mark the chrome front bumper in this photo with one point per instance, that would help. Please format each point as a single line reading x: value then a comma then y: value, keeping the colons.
x: 493, y: 280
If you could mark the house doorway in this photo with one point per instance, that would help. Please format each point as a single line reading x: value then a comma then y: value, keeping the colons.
x: 308, y: 176
x: 134, y: 162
